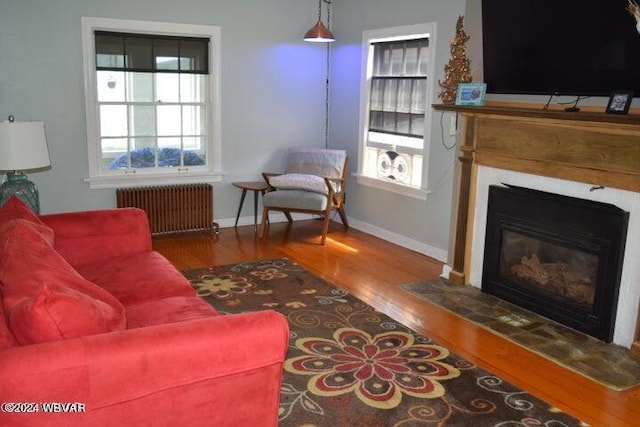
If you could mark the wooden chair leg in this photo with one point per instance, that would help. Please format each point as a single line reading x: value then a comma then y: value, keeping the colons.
x: 325, y: 227
x: 263, y: 224
x: 343, y: 216
x: 288, y: 215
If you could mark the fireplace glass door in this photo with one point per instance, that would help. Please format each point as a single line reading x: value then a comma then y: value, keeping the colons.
x: 558, y: 256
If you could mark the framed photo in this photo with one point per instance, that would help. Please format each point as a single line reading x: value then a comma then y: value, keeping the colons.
x: 471, y: 93
x: 619, y: 102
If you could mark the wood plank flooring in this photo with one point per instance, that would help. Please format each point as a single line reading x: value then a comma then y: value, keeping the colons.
x: 372, y: 270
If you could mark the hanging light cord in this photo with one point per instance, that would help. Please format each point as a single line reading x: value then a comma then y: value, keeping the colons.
x: 326, y: 98
x: 320, y: 10
x: 328, y: 80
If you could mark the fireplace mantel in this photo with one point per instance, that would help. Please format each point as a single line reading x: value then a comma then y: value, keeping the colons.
x: 538, y: 112
x: 595, y: 148
x: 590, y: 147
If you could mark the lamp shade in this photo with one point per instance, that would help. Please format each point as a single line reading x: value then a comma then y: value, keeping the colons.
x: 23, y: 146
x: 319, y: 33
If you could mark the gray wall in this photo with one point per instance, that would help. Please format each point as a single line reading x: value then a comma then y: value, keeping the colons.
x: 271, y: 84
x: 272, y: 94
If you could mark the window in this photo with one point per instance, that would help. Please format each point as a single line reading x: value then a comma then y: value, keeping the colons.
x: 396, y: 93
x: 152, y: 101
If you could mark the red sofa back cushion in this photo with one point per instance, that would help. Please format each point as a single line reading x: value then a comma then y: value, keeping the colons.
x: 117, y: 235
x: 15, y: 208
x: 39, y: 290
x: 59, y: 312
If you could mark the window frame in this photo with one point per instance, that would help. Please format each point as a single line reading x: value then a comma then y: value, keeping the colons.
x: 390, y: 34
x: 98, y: 177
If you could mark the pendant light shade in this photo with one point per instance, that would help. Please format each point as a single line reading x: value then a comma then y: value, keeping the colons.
x: 320, y: 33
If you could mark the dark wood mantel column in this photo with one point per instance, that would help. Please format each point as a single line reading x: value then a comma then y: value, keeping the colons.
x: 457, y: 274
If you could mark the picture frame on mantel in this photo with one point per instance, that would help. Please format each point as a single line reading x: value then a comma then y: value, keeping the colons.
x: 619, y: 102
x: 471, y: 94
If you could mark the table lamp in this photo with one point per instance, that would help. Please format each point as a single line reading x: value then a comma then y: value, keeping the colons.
x: 22, y: 147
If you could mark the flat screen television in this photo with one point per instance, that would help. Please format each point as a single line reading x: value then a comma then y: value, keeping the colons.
x: 563, y: 47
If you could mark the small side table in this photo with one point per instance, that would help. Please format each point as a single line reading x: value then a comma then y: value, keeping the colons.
x: 256, y: 187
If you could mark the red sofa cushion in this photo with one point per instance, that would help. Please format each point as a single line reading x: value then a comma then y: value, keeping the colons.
x: 36, y: 280
x: 6, y: 337
x: 168, y: 310
x: 138, y: 278
x: 15, y: 208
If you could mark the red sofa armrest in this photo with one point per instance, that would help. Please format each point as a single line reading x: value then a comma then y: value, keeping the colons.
x: 91, y: 236
x: 224, y: 370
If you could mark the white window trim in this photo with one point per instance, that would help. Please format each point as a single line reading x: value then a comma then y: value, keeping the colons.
x: 396, y: 33
x: 381, y: 184
x: 97, y: 179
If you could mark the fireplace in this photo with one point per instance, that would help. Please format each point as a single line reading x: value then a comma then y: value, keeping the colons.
x: 558, y: 256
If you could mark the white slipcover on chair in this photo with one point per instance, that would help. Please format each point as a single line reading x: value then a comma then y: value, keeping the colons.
x: 313, y: 182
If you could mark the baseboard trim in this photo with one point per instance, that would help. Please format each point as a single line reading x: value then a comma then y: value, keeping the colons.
x: 446, y: 270
x: 381, y: 233
x: 399, y: 239
x: 274, y: 217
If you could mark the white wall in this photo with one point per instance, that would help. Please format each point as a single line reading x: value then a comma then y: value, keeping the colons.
x: 272, y: 95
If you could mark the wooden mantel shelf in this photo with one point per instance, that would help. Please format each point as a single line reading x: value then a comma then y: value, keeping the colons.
x: 580, y: 116
x: 587, y: 146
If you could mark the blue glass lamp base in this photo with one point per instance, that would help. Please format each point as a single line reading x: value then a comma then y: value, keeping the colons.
x: 21, y: 187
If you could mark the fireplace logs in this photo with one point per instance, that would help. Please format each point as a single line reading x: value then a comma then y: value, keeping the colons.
x: 560, y: 278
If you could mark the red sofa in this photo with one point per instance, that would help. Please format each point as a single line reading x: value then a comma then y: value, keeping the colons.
x: 97, y: 326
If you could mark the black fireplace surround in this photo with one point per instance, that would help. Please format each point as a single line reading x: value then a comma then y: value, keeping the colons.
x: 558, y: 256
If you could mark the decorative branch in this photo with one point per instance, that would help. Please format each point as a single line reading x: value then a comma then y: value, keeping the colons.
x: 458, y: 70
x: 634, y: 10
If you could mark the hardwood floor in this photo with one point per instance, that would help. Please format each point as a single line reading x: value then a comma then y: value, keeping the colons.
x: 372, y: 270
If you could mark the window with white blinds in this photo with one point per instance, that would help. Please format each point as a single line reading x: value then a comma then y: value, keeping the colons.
x: 398, y: 87
x: 395, y: 99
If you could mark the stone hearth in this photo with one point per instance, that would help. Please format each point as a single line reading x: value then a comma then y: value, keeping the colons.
x: 612, y: 365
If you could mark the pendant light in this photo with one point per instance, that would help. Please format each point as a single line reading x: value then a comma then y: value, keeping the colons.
x: 319, y: 33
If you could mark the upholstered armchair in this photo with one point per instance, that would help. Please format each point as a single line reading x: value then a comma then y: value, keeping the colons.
x: 314, y: 182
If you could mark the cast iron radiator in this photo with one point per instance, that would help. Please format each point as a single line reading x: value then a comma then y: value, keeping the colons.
x: 172, y: 208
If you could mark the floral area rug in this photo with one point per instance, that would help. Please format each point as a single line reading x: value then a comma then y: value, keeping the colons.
x: 350, y: 365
